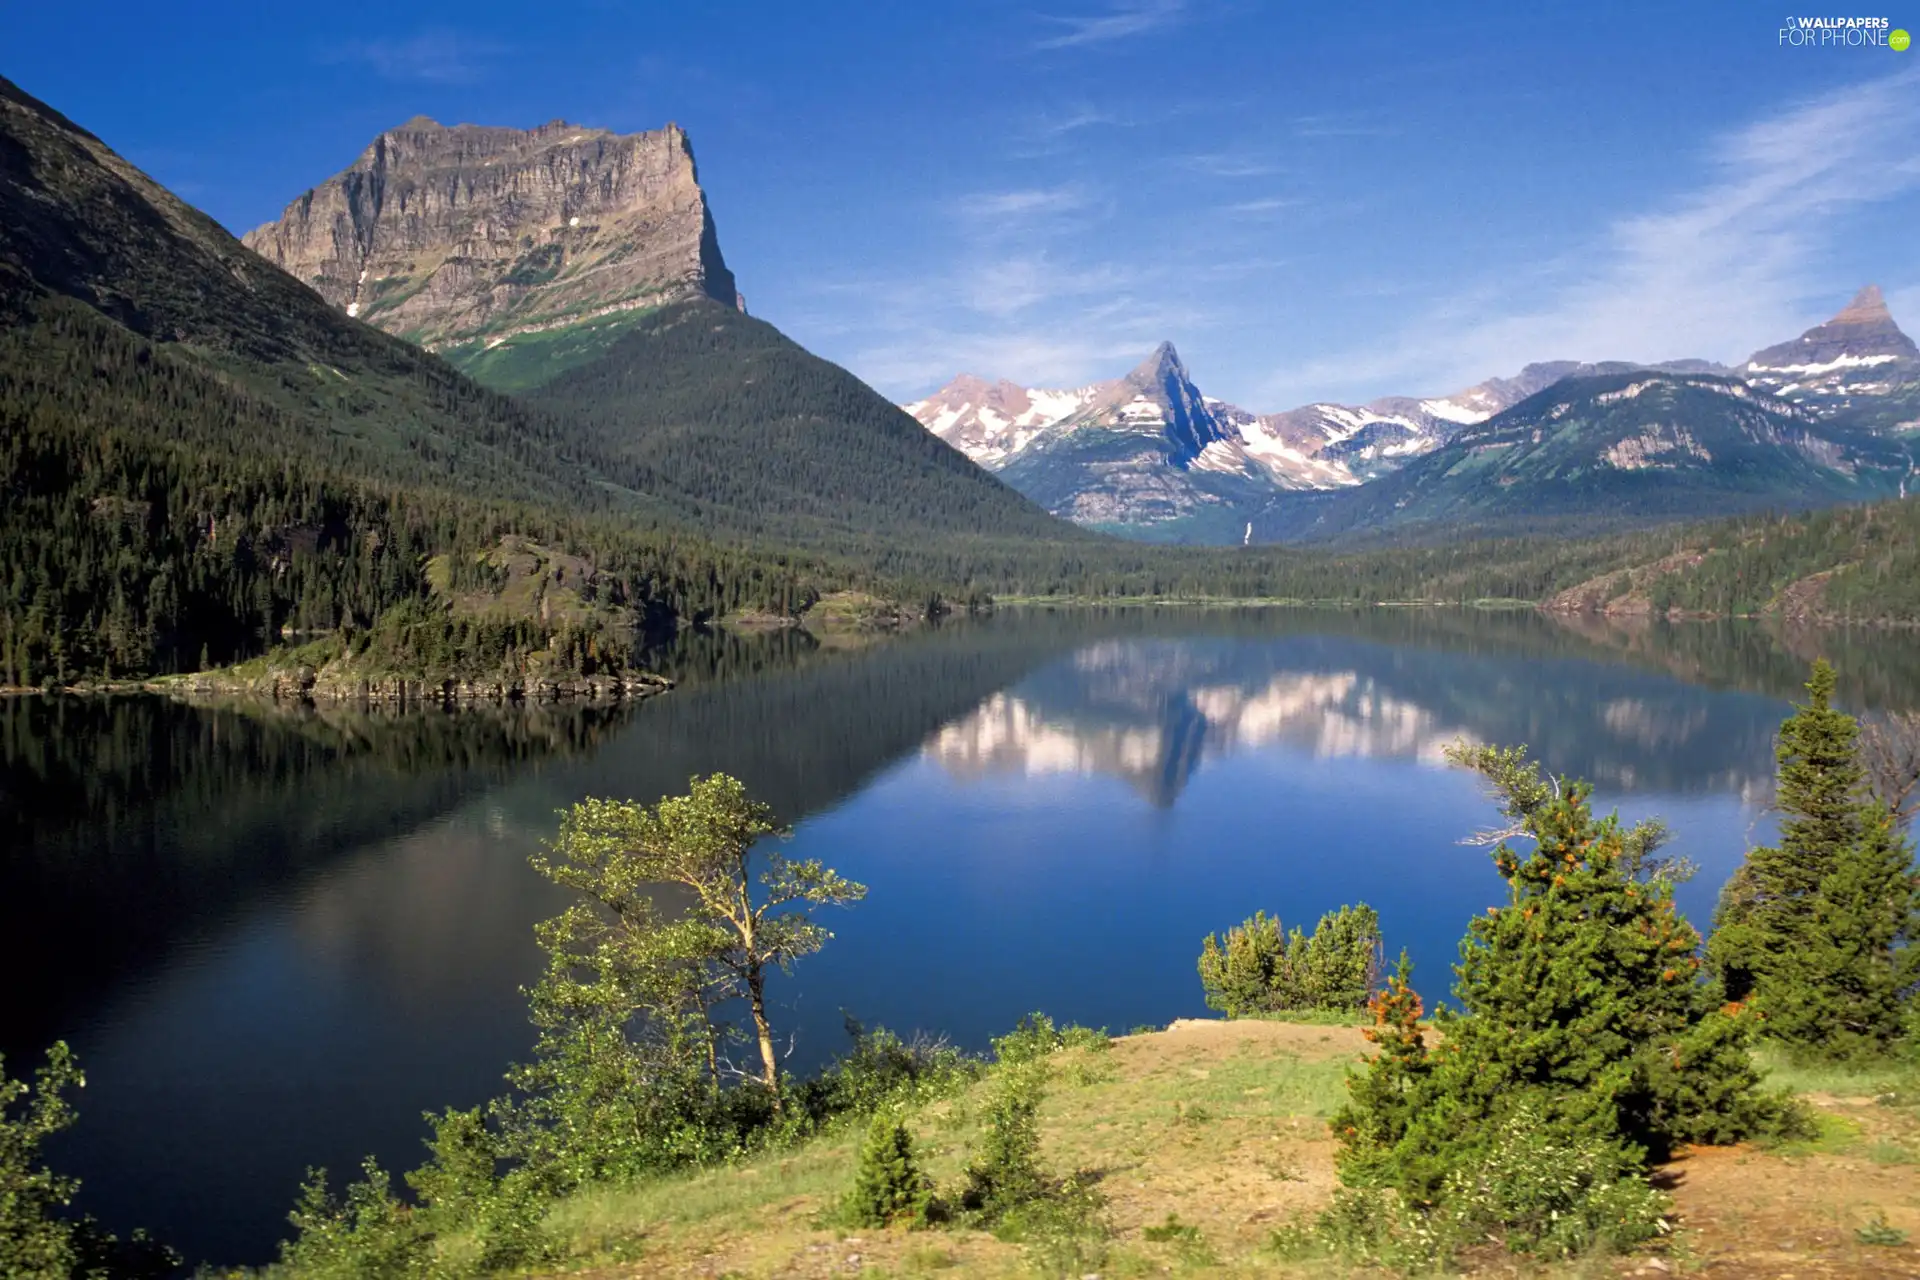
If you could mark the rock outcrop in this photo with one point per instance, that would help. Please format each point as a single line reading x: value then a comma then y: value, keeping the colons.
x: 471, y: 235
x: 341, y: 682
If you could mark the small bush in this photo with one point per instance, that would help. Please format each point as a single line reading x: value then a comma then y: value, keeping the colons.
x: 1543, y: 1195
x: 460, y: 1176
x: 1191, y: 1114
x: 1879, y: 1233
x: 1172, y: 1231
x: 503, y: 1219
x: 1064, y: 1231
x: 1007, y: 1172
x: 1260, y: 968
x: 888, y: 1186
x: 1185, y: 1238
x: 368, y: 1236
x: 35, y: 1242
x: 1036, y: 1036
x: 1531, y: 1191
x: 1367, y: 1227
x: 883, y: 1071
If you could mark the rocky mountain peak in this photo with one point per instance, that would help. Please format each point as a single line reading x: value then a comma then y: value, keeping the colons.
x: 1860, y: 335
x: 1158, y: 367
x: 461, y: 237
x: 1867, y: 307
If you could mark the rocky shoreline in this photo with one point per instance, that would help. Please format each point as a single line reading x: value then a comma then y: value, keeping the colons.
x: 305, y: 684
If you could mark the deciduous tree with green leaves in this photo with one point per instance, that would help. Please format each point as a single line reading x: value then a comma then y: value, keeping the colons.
x: 36, y: 1241
x: 734, y: 929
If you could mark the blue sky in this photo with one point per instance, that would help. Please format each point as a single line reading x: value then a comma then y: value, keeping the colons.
x: 1330, y: 201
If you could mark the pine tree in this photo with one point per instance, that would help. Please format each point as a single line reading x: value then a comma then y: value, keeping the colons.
x: 1580, y: 1002
x: 1384, y: 1098
x: 1811, y: 930
x: 1259, y: 967
x: 1007, y: 1172
x: 888, y: 1186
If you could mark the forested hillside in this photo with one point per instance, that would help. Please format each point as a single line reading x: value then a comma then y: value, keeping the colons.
x: 160, y: 516
x: 1846, y: 564
x: 771, y: 440
x: 202, y: 457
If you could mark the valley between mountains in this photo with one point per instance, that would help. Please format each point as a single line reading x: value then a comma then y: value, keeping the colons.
x: 308, y: 530
x: 487, y: 403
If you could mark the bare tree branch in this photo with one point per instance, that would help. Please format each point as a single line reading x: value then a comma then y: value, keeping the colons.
x: 1890, y: 753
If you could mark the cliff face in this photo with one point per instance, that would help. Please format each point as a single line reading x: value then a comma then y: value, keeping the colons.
x: 471, y: 235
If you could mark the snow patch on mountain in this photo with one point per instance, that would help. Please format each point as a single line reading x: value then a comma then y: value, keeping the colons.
x: 1858, y: 361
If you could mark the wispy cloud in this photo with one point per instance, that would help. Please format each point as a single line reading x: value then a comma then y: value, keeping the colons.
x: 1062, y: 130
x: 1230, y: 164
x: 1030, y: 288
x: 1020, y: 283
x: 1027, y: 203
x: 1269, y: 204
x: 1035, y: 354
x: 1718, y: 271
x: 1120, y: 22
x: 434, y: 56
x: 1347, y: 125
x: 1051, y: 127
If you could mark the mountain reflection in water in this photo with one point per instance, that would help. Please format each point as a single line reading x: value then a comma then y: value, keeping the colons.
x: 275, y: 936
x: 1150, y: 712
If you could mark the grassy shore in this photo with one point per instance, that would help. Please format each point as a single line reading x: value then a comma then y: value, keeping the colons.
x: 1205, y: 1138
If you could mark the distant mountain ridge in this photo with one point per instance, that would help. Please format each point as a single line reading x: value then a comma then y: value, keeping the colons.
x: 1275, y: 474
x: 1601, y: 451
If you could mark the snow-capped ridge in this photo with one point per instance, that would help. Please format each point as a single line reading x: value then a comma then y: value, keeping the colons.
x: 1154, y: 425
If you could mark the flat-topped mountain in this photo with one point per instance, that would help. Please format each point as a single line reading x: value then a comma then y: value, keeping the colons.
x: 579, y: 269
x: 467, y: 237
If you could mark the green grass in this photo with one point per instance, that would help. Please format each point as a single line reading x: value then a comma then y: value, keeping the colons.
x: 1316, y: 1017
x: 1833, y: 1135
x: 528, y: 360
x: 1891, y: 1080
x: 1106, y: 1110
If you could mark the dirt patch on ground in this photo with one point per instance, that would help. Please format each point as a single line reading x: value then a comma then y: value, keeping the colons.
x: 1748, y: 1213
x: 1190, y: 1037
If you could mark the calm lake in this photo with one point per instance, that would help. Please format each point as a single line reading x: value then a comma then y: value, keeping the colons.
x: 275, y: 938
